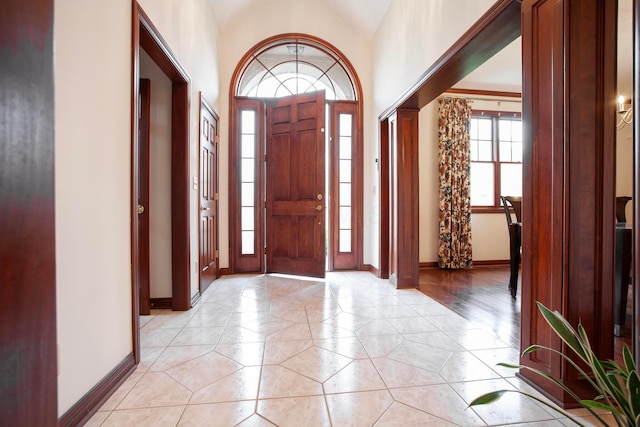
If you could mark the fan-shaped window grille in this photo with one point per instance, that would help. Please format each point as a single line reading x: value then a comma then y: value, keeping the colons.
x: 294, y: 66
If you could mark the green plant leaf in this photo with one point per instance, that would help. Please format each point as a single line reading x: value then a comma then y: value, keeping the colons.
x: 488, y: 397
x: 564, y: 330
x: 633, y: 391
x: 597, y: 405
x: 629, y: 363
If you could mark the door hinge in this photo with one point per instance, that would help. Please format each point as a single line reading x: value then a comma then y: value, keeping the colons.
x: 215, y: 196
x: 217, y: 253
x: 217, y: 138
x: 265, y: 250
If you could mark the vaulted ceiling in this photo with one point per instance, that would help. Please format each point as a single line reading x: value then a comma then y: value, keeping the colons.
x: 364, y: 14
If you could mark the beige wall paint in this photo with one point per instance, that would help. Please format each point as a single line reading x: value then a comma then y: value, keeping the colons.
x: 92, y: 172
x: 159, y: 209
x: 93, y: 164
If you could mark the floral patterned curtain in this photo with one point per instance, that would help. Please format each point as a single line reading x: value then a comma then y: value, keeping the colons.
x: 454, y: 117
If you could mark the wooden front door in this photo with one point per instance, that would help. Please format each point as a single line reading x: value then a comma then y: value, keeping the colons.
x: 295, y: 187
x: 209, y: 268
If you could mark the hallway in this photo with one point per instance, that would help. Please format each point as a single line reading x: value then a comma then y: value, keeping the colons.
x: 350, y: 350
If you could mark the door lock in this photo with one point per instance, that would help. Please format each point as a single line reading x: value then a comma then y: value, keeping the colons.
x: 319, y: 196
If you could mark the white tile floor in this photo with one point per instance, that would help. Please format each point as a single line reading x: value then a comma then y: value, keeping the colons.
x: 347, y: 351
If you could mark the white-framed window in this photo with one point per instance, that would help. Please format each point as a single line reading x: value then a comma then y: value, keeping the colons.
x: 496, y: 157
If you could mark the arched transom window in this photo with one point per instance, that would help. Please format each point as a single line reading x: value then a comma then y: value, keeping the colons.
x: 293, y: 67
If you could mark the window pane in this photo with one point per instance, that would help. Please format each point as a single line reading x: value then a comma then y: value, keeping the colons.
x: 247, y: 216
x: 345, y: 217
x: 345, y: 124
x: 345, y: 147
x: 482, y: 184
x: 248, y: 146
x: 484, y: 129
x: 516, y: 130
x: 473, y: 130
x: 505, y: 152
x: 345, y: 241
x: 247, y: 172
x: 504, y: 130
x: 474, y: 150
x: 345, y: 194
x: 345, y: 171
x: 248, y: 121
x: 247, y: 194
x: 516, y: 152
x: 247, y: 243
x: 511, y: 179
x: 485, y: 151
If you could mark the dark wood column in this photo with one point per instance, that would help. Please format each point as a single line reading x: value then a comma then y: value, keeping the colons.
x: 569, y: 186
x: 403, y: 198
x: 28, y: 361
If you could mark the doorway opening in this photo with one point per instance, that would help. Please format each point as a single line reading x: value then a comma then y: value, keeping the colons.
x: 262, y: 101
x: 146, y: 36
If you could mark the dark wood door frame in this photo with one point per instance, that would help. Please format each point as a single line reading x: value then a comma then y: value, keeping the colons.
x: 145, y: 35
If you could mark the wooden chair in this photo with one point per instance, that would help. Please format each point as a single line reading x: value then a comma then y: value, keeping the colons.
x: 515, y: 238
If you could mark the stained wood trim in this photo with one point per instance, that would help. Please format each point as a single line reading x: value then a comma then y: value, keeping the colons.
x: 143, y: 166
x: 196, y: 298
x: 161, y: 303
x: 636, y: 179
x: 135, y: 177
x: 28, y: 352
x: 383, y: 186
x: 498, y: 27
x: 225, y: 272
x: 89, y: 404
x: 477, y: 92
x: 371, y: 269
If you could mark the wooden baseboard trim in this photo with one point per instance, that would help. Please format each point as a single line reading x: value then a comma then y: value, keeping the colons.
x: 484, y: 263
x: 195, y: 298
x: 161, y: 303
x: 371, y: 269
x: 89, y: 404
x: 491, y: 263
x: 225, y: 271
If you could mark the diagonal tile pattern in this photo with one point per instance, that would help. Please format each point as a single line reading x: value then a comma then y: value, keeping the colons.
x: 350, y: 350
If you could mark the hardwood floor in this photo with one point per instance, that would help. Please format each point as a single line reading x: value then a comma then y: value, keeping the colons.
x: 482, y: 295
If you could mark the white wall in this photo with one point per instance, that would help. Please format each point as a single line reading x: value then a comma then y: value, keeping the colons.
x: 93, y: 171
x: 159, y: 209
x: 266, y: 19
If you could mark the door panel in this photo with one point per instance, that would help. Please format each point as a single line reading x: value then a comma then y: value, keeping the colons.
x: 209, y: 266
x: 295, y: 193
x: 144, y: 126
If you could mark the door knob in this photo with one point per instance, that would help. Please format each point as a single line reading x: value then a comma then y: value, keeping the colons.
x: 140, y: 209
x: 319, y: 208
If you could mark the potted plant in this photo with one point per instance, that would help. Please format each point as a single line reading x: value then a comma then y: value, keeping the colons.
x: 618, y: 386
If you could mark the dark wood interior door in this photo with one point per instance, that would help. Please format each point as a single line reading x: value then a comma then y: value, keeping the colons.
x: 295, y: 187
x: 144, y: 126
x: 209, y: 269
